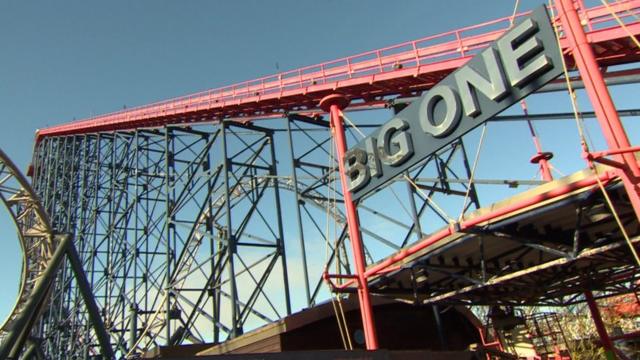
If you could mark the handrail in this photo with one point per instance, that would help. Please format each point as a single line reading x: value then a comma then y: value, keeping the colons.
x: 454, y: 44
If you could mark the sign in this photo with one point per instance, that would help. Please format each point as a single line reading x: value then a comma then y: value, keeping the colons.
x: 521, y: 61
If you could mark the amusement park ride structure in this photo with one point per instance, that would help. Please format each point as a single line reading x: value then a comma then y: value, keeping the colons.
x: 179, y: 230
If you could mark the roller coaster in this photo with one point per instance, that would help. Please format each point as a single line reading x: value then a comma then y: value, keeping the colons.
x: 221, y: 222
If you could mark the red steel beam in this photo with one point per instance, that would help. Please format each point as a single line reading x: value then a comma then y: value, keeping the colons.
x: 396, y: 70
x: 598, y: 93
x: 600, y: 327
x: 334, y: 104
x: 391, y: 262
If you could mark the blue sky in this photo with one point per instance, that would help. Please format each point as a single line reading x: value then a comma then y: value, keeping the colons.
x: 69, y: 60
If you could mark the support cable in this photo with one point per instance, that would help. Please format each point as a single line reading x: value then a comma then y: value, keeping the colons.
x: 336, y: 301
x: 338, y: 319
x: 437, y: 208
x: 585, y: 147
x: 617, y: 217
x: 556, y: 170
x: 513, y: 14
x: 352, y: 124
x: 330, y: 204
x: 428, y: 199
x: 545, y: 166
x: 622, y: 24
x: 473, y: 171
x: 148, y: 327
x: 346, y: 326
x: 628, y: 11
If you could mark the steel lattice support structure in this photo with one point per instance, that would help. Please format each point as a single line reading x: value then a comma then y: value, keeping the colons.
x: 34, y: 233
x: 43, y: 251
x: 152, y: 213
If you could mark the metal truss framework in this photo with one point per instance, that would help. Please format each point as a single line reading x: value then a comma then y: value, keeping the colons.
x: 152, y: 213
x: 196, y: 232
x: 43, y: 252
x: 34, y: 234
x: 114, y: 197
x: 151, y: 210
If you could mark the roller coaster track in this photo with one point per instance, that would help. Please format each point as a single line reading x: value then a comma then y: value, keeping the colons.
x: 187, y: 263
x: 367, y: 78
x: 119, y: 163
x: 43, y: 251
x: 34, y: 234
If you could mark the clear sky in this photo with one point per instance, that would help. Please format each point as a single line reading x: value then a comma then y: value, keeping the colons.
x: 69, y: 60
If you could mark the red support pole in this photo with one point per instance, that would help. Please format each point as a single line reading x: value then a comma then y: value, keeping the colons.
x: 541, y: 158
x: 600, y: 328
x: 333, y: 104
x: 603, y: 106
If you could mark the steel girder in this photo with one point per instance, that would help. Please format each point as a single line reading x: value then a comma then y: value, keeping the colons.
x: 151, y: 211
x: 34, y: 234
x: 167, y: 223
x: 43, y: 252
x: 184, y: 232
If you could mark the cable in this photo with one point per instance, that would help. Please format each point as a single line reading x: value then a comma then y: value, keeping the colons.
x: 346, y: 326
x: 515, y: 10
x: 558, y: 171
x: 332, y: 196
x: 622, y: 24
x: 427, y: 198
x: 352, y: 124
x: 584, y: 143
x: 473, y: 170
x: 615, y: 215
x: 335, y: 311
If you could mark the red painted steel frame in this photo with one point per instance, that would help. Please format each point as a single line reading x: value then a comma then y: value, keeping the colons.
x: 600, y: 328
x: 334, y: 104
x: 598, y: 92
x: 398, y: 70
x: 610, y: 122
x: 388, y: 264
x: 541, y: 158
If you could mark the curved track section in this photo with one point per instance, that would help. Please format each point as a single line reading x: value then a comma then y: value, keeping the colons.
x: 188, y: 264
x: 34, y: 233
x: 186, y: 237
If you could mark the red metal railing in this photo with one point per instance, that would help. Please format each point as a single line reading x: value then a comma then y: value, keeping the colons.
x: 390, y: 263
x: 430, y: 54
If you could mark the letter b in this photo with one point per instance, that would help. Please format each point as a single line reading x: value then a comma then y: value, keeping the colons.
x: 356, y: 169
